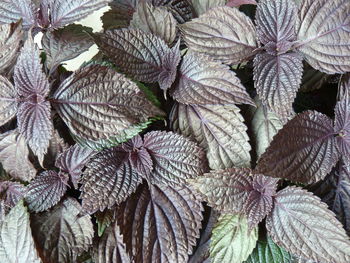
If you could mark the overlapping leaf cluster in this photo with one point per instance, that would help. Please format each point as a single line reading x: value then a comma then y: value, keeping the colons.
x: 226, y: 178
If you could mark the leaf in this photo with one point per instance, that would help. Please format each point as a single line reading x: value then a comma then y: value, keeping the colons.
x: 268, y: 252
x: 265, y: 124
x: 34, y: 123
x: 72, y: 161
x: 111, y: 248
x: 323, y: 33
x: 160, y: 223
x: 10, y: 40
x: 181, y: 9
x: 104, y: 219
x: 304, y: 150
x: 8, y: 100
x: 304, y: 226
x: 237, y: 3
x: 175, y: 158
x: 342, y: 127
x: 231, y: 240
x: 155, y: 20
x: 46, y: 190
x: 276, y: 21
x: 14, y: 10
x: 62, y: 233
x: 277, y: 80
x: 14, y: 154
x: 313, y: 79
x: 65, y: 44
x: 141, y: 55
x: 11, y: 193
x: 204, y: 81
x: 202, y: 6
x: 56, y: 147
x: 225, y: 190
x: 108, y: 179
x: 66, y: 12
x: 16, y: 242
x: 120, y: 14
x: 218, y: 129
x: 223, y: 33
x: 98, y: 104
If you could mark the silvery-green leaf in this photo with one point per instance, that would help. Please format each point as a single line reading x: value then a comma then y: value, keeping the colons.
x: 202, y: 6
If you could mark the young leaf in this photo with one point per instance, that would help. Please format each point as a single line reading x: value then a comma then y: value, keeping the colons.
x: 8, y: 101
x: 224, y: 33
x: 14, y: 154
x: 141, y: 55
x: 323, y: 32
x: 62, y: 233
x: 225, y: 190
x: 342, y: 127
x: 160, y: 223
x: 155, y: 20
x: 56, y: 147
x: 268, y: 252
x: 65, y: 44
x: 16, y: 241
x: 202, y: 6
x: 14, y: 10
x: 276, y: 21
x: 218, y: 129
x: 277, y: 80
x: 110, y: 248
x: 10, y: 40
x: 204, y: 81
x: 304, y: 150
x: 46, y: 190
x: 304, y: 226
x: 109, y: 179
x: 104, y: 219
x: 64, y: 12
x: 231, y: 240
x: 175, y: 158
x: 98, y: 104
x: 72, y: 161
x: 11, y: 193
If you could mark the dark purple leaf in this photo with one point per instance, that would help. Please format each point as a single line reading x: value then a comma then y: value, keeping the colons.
x: 14, y: 155
x: 8, y: 101
x: 323, y: 32
x: 102, y: 106
x: 13, y: 10
x: 46, y: 190
x: 205, y: 81
x: 181, y: 9
x: 223, y: 33
x: 141, y: 55
x: 175, y: 158
x: 304, y: 150
x: 277, y: 80
x: 11, y: 193
x: 72, y: 161
x: 275, y: 21
x: 160, y: 223
x: 56, y: 147
x: 303, y: 225
x: 62, y: 233
x: 120, y: 14
x: 64, y: 12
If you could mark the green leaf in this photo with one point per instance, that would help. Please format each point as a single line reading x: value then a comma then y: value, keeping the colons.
x: 231, y: 240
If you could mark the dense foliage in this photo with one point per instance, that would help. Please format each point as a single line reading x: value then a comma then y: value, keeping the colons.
x: 202, y: 131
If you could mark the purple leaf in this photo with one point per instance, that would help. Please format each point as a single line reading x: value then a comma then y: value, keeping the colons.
x: 56, y: 147
x: 120, y: 14
x: 160, y: 223
x: 303, y: 225
x: 304, y: 150
x: 72, y: 161
x: 204, y: 81
x: 13, y: 10
x: 64, y: 12
x: 223, y: 33
x: 181, y: 9
x: 175, y: 158
x: 277, y: 80
x: 8, y: 100
x: 34, y: 123
x: 62, y: 233
x: 14, y: 155
x: 323, y: 33
x: 141, y: 55
x: 100, y: 105
x: 237, y: 3
x: 109, y: 178
x: 11, y: 193
x: 275, y: 21
x: 46, y: 190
